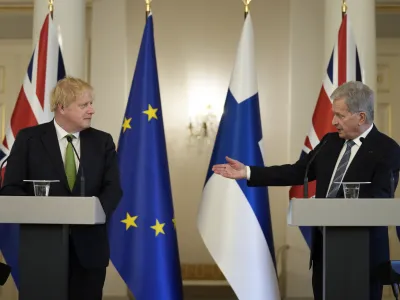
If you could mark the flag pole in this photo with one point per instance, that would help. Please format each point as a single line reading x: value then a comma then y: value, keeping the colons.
x: 148, y: 8
x: 51, y: 7
x: 344, y: 8
x: 246, y: 7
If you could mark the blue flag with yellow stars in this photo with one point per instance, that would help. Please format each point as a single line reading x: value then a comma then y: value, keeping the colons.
x: 142, y: 231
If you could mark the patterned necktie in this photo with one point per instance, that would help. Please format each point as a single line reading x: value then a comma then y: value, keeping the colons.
x: 340, y: 171
x: 70, y: 167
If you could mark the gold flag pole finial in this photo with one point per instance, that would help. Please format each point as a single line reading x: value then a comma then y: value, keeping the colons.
x: 246, y: 7
x: 51, y: 6
x: 148, y: 7
x: 344, y: 7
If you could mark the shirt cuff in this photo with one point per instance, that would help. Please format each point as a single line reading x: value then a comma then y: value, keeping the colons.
x: 248, y: 173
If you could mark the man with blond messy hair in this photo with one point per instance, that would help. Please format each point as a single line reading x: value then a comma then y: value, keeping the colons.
x: 43, y: 152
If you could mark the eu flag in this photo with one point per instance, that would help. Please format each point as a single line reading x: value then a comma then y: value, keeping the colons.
x: 142, y: 230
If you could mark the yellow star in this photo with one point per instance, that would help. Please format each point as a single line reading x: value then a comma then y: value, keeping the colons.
x: 174, y: 221
x: 127, y: 124
x: 130, y: 221
x: 151, y: 113
x: 158, y: 227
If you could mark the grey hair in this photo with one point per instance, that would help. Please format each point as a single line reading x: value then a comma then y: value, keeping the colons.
x: 358, y: 97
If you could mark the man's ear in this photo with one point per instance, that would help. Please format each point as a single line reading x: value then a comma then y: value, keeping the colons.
x: 61, y: 108
x: 363, y: 118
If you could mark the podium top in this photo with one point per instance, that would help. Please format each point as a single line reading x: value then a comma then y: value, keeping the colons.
x: 51, y: 210
x: 344, y: 212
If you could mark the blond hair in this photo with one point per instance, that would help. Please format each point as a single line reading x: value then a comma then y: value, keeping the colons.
x: 67, y: 90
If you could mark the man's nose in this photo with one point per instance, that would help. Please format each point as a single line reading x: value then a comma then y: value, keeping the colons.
x: 91, y: 110
x: 334, y: 121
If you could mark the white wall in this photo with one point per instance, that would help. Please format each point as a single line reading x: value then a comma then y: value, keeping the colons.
x: 388, y: 108
x: 306, y: 73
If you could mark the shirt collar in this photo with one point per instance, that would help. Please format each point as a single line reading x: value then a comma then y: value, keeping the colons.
x: 61, y: 133
x: 363, y: 135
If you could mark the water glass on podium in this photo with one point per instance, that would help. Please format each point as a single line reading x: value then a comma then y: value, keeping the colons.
x: 41, y: 187
x: 352, y: 189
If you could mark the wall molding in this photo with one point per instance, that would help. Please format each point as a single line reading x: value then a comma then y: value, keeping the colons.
x: 388, y: 8
x: 201, y: 272
x: 26, y: 7
x: 23, y: 6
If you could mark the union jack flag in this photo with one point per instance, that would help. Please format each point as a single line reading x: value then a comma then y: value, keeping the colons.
x: 32, y: 107
x: 344, y: 65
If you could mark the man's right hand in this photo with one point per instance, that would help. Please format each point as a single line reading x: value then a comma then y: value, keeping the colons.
x: 234, y: 169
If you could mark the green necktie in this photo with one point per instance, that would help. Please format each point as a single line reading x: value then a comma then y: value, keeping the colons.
x: 70, y: 167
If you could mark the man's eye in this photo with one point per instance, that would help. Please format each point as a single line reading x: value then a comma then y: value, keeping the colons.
x: 340, y: 116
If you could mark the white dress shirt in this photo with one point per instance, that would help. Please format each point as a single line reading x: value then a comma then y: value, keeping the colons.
x: 354, y: 150
x: 63, y: 142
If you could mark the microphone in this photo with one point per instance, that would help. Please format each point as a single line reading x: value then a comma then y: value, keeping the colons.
x: 305, y: 191
x: 69, y: 139
x: 391, y: 185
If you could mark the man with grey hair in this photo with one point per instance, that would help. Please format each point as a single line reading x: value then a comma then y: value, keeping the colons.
x: 356, y: 152
x: 353, y: 108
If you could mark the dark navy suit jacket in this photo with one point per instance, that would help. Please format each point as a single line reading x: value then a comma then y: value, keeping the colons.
x: 376, y: 161
x: 36, y: 155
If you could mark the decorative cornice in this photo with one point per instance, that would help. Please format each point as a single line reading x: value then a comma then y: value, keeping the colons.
x: 27, y: 7
x: 201, y: 272
x: 388, y: 8
x: 15, y: 8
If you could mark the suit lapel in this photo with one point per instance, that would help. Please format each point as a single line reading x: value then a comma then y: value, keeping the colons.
x: 51, y: 144
x: 330, y: 158
x: 366, y: 149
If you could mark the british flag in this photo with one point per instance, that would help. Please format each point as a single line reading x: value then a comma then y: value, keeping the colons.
x: 344, y: 65
x: 32, y: 107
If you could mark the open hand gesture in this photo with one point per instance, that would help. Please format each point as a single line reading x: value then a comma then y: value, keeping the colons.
x: 233, y: 169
